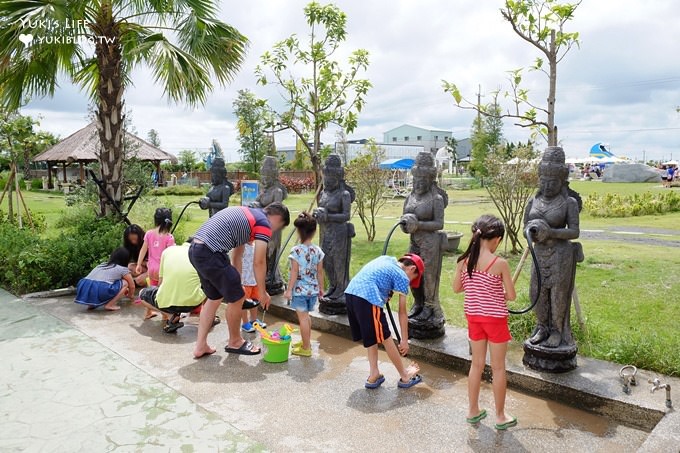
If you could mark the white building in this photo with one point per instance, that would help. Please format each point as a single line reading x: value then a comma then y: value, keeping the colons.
x: 430, y: 138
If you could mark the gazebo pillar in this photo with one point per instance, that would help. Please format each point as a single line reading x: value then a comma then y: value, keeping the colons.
x: 82, y: 173
x: 63, y: 167
x: 50, y: 185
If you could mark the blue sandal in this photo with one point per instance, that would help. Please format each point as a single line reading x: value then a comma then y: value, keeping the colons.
x: 417, y: 379
x: 374, y: 385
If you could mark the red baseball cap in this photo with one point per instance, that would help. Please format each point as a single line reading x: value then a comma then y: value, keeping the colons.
x: 418, y: 261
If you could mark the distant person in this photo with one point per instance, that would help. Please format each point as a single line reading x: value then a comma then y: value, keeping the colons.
x: 230, y: 229
x: 485, y: 278
x: 670, y: 174
x: 133, y: 239
x: 155, y: 241
x: 366, y: 296
x: 107, y: 283
x: 305, y: 284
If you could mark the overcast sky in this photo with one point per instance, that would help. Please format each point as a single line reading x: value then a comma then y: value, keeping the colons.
x: 620, y: 88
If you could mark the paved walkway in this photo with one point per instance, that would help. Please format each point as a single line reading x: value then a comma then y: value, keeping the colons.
x: 97, y: 381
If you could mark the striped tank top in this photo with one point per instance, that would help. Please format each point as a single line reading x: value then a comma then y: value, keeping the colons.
x: 484, y: 294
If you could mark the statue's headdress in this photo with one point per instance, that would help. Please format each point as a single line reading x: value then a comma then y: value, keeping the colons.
x: 552, y: 163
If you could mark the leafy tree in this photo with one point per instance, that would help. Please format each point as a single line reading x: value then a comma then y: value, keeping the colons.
x: 325, y: 94
x: 187, y: 160
x: 452, y: 149
x: 252, y: 114
x: 182, y: 41
x: 153, y: 138
x: 510, y: 185
x: 368, y: 181
x: 541, y: 24
x: 20, y: 142
x: 487, y: 134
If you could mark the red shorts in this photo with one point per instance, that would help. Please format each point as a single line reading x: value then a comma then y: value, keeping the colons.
x: 251, y: 292
x: 494, y: 330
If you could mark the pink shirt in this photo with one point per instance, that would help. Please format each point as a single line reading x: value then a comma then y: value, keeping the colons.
x: 156, y: 243
x: 484, y: 293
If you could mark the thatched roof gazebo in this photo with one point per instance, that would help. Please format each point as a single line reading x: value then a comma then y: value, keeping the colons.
x: 83, y: 147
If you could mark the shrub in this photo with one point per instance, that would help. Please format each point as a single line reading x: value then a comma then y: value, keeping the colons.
x: 615, y: 205
x: 39, y: 221
x: 34, y: 264
x: 36, y: 184
x: 295, y: 185
x: 177, y: 190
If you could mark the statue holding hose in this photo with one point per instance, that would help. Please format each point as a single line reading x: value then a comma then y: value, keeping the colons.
x: 423, y: 220
x: 551, y: 219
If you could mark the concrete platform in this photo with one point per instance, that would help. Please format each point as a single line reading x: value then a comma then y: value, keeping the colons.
x: 100, y: 381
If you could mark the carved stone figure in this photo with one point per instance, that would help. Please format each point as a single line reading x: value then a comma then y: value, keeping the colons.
x: 423, y: 219
x: 333, y: 216
x: 552, y: 220
x: 218, y: 196
x: 272, y: 191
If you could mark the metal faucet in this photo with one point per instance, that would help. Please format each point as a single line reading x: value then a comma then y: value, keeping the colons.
x: 628, y: 378
x: 657, y: 385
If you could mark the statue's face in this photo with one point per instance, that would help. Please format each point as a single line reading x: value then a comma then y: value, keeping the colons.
x: 267, y: 179
x: 421, y: 184
x: 330, y: 181
x: 550, y: 186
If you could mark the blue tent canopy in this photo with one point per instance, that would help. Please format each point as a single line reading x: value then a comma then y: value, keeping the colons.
x: 397, y: 164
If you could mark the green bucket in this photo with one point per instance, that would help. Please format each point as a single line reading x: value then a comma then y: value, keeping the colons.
x: 275, y: 352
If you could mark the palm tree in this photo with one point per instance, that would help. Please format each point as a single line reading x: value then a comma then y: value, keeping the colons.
x: 97, y: 43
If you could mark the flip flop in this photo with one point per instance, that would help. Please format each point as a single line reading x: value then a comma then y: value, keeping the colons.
x: 506, y: 425
x: 244, y: 349
x: 172, y: 327
x: 216, y: 321
x: 374, y: 385
x: 417, y: 379
x: 474, y: 420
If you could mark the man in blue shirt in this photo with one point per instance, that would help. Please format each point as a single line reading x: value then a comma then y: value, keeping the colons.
x: 366, y: 296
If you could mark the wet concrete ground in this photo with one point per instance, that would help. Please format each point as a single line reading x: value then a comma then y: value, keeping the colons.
x: 97, y: 381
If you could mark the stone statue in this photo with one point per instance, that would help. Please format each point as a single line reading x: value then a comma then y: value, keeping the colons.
x: 218, y: 196
x: 333, y: 216
x: 423, y: 219
x: 552, y: 219
x: 272, y: 191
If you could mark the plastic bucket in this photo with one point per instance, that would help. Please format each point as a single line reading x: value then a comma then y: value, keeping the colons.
x: 275, y: 352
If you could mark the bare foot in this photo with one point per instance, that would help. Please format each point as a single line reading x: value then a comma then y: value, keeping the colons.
x: 199, y: 353
x: 150, y: 314
x: 113, y: 308
x: 411, y: 370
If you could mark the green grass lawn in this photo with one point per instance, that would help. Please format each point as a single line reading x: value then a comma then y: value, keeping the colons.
x: 629, y: 292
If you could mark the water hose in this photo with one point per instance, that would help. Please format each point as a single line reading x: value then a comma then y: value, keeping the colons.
x: 181, y: 214
x: 530, y: 246
x: 387, y: 303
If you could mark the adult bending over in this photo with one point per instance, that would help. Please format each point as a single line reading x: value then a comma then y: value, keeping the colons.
x: 227, y: 230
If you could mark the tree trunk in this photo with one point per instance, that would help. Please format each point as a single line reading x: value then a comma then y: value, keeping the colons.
x: 552, y: 130
x: 316, y: 157
x: 110, y: 112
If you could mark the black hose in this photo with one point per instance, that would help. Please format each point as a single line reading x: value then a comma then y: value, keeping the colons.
x: 387, y: 303
x: 181, y: 214
x: 530, y: 244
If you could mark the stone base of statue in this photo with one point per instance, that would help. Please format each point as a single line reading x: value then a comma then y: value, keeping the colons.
x: 332, y: 306
x: 275, y: 288
x: 552, y: 360
x: 425, y: 324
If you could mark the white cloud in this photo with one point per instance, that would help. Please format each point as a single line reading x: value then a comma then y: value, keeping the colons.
x: 620, y: 87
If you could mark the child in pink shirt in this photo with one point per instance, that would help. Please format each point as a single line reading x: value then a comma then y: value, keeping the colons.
x: 155, y: 241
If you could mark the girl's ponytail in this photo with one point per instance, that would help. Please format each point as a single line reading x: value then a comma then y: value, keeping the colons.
x: 472, y: 252
x: 485, y: 227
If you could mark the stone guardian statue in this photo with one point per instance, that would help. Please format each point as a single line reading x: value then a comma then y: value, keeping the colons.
x: 218, y: 196
x: 333, y: 214
x: 272, y: 191
x: 552, y: 219
x: 423, y: 220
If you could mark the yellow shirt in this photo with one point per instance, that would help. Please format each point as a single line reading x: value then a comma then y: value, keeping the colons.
x: 181, y: 286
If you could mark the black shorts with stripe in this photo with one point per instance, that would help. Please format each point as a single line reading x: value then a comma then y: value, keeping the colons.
x: 367, y: 321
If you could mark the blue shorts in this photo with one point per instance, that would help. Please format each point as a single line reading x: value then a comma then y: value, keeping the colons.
x: 366, y: 321
x: 303, y: 303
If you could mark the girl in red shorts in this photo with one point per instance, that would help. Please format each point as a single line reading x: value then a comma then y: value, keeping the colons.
x: 487, y: 283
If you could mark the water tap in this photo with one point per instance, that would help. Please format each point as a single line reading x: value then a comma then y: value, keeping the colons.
x: 628, y: 378
x: 657, y: 385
